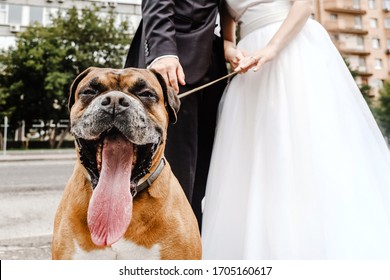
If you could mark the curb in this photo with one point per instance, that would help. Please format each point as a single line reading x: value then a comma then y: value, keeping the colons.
x: 30, y: 241
x: 32, y: 157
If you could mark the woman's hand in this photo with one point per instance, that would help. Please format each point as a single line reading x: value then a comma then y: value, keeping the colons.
x: 257, y: 59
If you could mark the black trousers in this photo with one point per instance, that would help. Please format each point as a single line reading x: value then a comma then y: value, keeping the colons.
x: 190, y: 141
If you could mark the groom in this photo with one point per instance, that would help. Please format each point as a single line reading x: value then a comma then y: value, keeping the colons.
x: 181, y: 40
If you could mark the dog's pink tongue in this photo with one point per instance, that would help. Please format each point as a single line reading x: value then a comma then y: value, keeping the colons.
x: 111, y: 204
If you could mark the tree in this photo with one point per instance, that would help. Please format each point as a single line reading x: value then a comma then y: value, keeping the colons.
x: 35, y: 76
x: 364, y: 88
x: 380, y: 108
x: 383, y: 109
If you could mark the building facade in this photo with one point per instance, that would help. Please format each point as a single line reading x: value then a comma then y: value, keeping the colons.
x: 360, y: 29
x: 15, y: 15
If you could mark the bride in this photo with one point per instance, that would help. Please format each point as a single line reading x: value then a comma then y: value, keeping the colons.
x: 299, y: 169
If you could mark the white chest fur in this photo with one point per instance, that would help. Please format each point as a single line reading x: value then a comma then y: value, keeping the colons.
x: 121, y: 250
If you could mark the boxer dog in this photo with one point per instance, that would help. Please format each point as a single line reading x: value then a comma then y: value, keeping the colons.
x: 122, y: 200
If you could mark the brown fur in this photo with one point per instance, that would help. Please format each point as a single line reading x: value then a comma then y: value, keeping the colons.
x: 161, y: 213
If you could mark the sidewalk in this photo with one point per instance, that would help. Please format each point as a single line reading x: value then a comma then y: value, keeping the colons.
x: 29, y: 248
x: 46, y: 154
x: 28, y: 208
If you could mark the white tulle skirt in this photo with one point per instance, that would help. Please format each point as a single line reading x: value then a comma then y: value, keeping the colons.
x: 300, y: 169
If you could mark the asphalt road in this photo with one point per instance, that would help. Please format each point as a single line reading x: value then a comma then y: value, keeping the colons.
x: 29, y: 194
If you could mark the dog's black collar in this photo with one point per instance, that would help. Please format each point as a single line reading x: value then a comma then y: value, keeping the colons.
x: 149, y: 181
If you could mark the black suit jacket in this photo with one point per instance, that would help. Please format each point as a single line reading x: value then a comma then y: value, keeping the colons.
x: 184, y: 28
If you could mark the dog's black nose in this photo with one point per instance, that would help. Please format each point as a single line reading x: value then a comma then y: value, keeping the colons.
x: 115, y: 102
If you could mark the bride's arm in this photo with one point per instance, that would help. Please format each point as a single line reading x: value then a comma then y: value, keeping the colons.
x: 299, y: 13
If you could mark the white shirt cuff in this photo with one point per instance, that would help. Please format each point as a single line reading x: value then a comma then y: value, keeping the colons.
x: 160, y: 57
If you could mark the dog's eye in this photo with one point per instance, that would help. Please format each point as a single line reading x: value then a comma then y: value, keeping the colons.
x: 147, y: 94
x: 88, y: 92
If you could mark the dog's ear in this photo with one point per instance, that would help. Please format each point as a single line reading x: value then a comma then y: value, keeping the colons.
x: 172, y: 101
x: 74, y: 85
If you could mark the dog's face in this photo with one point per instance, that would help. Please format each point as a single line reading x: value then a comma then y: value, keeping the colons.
x: 133, y: 103
x: 127, y: 99
x: 119, y: 118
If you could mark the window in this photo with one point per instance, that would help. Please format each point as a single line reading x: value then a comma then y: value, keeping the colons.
x: 387, y: 22
x: 372, y: 4
x: 386, y: 5
x: 3, y: 14
x: 15, y: 14
x: 375, y: 43
x: 388, y: 44
x: 362, y: 64
x: 378, y: 63
x: 356, y: 4
x: 374, y: 23
x: 333, y: 17
x: 36, y: 14
x: 358, y: 22
x: 360, y: 42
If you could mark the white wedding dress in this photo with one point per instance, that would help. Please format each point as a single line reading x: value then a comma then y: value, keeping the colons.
x: 300, y: 169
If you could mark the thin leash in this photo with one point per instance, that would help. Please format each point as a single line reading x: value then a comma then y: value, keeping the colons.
x: 208, y: 84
